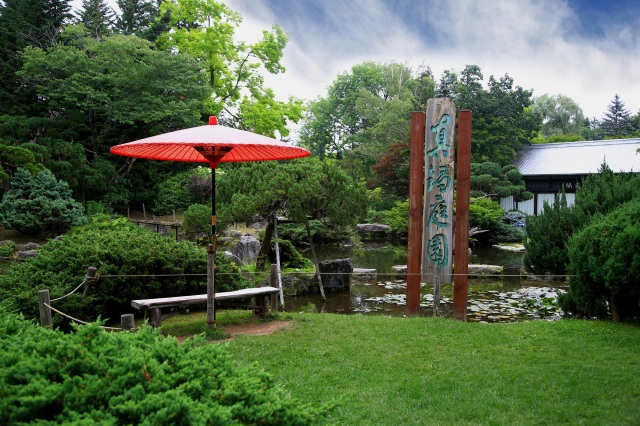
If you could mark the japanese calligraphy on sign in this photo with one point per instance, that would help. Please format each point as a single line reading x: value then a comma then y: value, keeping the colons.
x: 437, y: 238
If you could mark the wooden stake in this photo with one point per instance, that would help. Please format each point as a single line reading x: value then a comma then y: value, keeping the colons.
x: 45, y: 311
x: 416, y: 179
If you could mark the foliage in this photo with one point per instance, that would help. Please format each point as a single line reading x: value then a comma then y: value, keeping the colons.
x: 560, y: 116
x: 319, y: 230
x: 617, y: 121
x: 398, y: 219
x: 513, y: 217
x: 489, y: 179
x: 300, y: 190
x: 547, y: 237
x: 503, y: 119
x: 90, y: 376
x: 180, y: 190
x: 485, y: 214
x: 290, y: 258
x: 197, y: 220
x: 604, y: 259
x: 115, y: 247
x: 507, y: 234
x: 204, y: 30
x: 392, y: 170
x: 39, y: 205
x: 604, y: 191
x: 6, y: 249
x: 366, y: 111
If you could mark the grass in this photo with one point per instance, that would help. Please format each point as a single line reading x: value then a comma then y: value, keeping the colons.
x: 416, y: 371
x: 189, y: 324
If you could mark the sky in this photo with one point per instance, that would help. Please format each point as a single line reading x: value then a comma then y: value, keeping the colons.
x: 588, y: 50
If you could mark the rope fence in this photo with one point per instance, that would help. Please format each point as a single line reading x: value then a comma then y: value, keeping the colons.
x: 127, y: 320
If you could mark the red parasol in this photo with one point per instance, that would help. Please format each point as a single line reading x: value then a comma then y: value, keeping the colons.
x: 211, y: 144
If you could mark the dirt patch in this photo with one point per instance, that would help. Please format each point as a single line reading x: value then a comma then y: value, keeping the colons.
x: 253, y: 329
x: 256, y: 329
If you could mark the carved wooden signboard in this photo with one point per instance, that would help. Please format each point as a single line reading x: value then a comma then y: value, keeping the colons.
x: 439, y: 155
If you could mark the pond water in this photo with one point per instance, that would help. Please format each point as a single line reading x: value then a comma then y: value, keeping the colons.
x: 500, y: 298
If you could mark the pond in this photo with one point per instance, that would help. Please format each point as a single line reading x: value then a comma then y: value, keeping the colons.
x: 499, y: 298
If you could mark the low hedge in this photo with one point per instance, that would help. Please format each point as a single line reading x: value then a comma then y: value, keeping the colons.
x: 115, y: 247
x: 90, y: 376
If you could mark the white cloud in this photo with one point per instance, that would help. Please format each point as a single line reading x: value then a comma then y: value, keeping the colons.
x: 535, y: 42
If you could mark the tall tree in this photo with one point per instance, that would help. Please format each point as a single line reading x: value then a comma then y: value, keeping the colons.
x: 560, y: 115
x: 97, y: 17
x: 617, y: 120
x: 205, y: 30
x: 106, y: 92
x: 135, y: 16
x: 25, y: 23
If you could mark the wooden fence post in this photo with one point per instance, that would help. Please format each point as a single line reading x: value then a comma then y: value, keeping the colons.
x: 274, y: 283
x: 89, y: 278
x: 126, y: 322
x: 45, y: 311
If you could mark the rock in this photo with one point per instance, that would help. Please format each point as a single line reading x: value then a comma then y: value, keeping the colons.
x: 235, y: 259
x: 235, y: 233
x: 399, y: 269
x: 479, y: 270
x: 364, y: 275
x: 336, y: 274
x: 27, y: 247
x: 517, y: 248
x: 247, y: 248
x: 25, y: 254
x: 372, y: 227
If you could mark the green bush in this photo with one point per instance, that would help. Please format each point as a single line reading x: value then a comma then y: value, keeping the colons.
x: 197, y: 220
x: 290, y: 258
x: 180, y: 191
x: 115, y: 247
x: 6, y: 250
x: 90, y: 376
x: 604, y: 258
x: 486, y: 215
x: 39, y: 205
x: 507, y: 234
x: 398, y: 219
x: 547, y: 236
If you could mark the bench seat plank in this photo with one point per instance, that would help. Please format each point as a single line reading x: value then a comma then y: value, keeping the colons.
x: 164, y: 302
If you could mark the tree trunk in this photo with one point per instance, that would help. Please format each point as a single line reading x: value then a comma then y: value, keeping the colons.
x: 266, y: 245
x: 615, y: 311
x: 315, y: 261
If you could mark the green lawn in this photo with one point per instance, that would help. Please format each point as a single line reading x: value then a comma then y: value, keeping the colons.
x: 421, y: 371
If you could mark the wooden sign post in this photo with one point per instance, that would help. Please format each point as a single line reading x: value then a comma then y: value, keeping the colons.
x: 439, y: 157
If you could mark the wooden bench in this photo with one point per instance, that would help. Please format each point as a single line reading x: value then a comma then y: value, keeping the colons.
x: 262, y: 297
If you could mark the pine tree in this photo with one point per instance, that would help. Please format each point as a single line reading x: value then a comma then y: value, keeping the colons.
x: 616, y: 122
x: 135, y: 16
x: 25, y: 23
x: 97, y: 17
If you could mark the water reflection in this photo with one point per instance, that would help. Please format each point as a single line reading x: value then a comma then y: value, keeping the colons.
x: 508, y: 297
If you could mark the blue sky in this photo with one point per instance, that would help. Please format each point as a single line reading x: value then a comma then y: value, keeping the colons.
x: 588, y: 50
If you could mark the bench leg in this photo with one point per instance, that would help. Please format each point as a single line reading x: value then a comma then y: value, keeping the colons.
x: 155, y: 317
x: 264, y: 306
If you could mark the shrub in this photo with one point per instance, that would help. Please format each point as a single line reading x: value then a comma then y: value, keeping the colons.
x: 197, y: 220
x: 90, y: 376
x: 605, y: 258
x: 486, y: 215
x: 398, y: 219
x: 183, y: 189
x: 115, y: 247
x: 39, y: 205
x: 547, y: 236
x: 289, y: 256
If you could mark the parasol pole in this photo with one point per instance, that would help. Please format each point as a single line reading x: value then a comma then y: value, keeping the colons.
x: 211, y: 255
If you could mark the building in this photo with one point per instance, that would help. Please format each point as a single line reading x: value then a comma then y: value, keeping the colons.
x: 547, y: 168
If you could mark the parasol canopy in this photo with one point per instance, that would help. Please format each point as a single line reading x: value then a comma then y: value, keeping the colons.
x: 211, y: 143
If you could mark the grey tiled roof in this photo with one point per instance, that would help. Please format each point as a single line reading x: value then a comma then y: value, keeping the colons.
x: 577, y: 158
